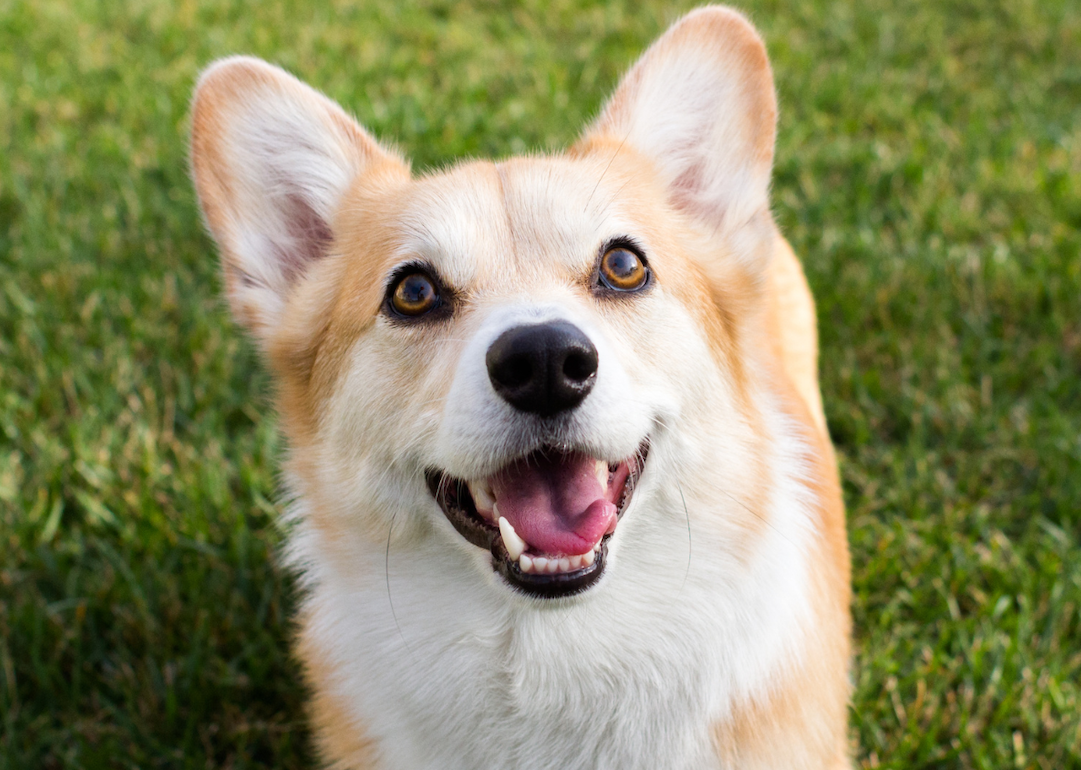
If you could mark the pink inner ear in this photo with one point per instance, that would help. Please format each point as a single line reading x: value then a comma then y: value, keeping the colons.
x: 700, y: 103
x: 310, y: 237
x: 686, y: 191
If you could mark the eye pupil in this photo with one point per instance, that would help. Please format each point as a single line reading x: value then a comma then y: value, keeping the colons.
x: 622, y: 263
x: 623, y: 270
x: 414, y: 294
x: 416, y: 290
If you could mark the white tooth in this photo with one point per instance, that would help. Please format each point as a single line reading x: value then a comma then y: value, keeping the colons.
x: 540, y: 564
x: 553, y: 566
x: 602, y: 473
x: 597, y: 547
x: 587, y: 558
x: 564, y: 564
x: 576, y: 562
x: 515, y: 545
x: 525, y: 563
x: 482, y: 496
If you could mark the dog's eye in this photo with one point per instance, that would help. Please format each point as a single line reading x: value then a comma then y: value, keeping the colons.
x: 623, y: 270
x: 414, y: 294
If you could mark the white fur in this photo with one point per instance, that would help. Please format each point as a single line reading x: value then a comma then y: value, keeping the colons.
x: 474, y: 411
x: 704, y: 600
x: 441, y: 661
x: 447, y: 667
x: 690, y: 115
x: 450, y: 672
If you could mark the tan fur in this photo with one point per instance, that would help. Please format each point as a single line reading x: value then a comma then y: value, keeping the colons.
x: 793, y: 327
x: 718, y: 256
x: 340, y: 739
x: 217, y: 98
x: 797, y: 724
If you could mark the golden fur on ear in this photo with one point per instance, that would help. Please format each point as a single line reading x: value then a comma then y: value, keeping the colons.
x: 272, y: 158
x: 700, y: 104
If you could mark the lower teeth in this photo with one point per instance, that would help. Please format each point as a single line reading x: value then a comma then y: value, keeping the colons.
x: 548, y: 565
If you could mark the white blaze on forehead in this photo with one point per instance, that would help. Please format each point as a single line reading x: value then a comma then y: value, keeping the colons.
x: 456, y: 222
x: 518, y: 227
x: 561, y: 212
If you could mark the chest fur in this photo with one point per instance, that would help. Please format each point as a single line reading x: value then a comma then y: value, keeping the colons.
x: 444, y: 672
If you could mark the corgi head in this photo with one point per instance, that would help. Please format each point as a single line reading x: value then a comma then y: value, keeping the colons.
x: 497, y: 362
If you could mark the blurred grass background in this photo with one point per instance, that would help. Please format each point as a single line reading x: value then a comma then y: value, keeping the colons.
x: 928, y: 172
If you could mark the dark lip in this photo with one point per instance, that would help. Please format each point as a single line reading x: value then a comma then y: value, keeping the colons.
x: 457, y: 505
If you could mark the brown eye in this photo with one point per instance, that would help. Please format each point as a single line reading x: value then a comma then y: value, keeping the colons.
x: 623, y: 270
x: 414, y: 294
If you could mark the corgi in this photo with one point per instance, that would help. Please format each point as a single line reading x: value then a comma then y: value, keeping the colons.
x: 562, y: 491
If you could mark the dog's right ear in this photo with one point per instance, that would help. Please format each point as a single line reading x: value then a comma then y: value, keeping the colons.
x: 271, y: 159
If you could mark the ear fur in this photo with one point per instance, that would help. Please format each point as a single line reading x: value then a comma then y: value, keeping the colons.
x: 271, y: 159
x: 700, y: 104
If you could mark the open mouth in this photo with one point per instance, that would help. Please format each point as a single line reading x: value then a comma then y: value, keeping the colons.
x: 546, y: 517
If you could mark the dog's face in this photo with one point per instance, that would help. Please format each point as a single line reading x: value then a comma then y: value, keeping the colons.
x: 499, y: 360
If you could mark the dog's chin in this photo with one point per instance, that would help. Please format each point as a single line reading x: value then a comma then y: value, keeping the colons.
x: 567, y: 562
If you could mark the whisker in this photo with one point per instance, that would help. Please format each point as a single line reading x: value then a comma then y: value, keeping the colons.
x: 690, y: 547
x: 610, y: 161
x: 600, y: 215
x: 444, y: 483
x: 757, y: 515
x: 386, y: 567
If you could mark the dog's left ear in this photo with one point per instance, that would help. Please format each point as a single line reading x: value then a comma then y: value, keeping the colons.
x: 700, y: 104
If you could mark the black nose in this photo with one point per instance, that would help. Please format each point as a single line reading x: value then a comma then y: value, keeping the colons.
x: 543, y: 368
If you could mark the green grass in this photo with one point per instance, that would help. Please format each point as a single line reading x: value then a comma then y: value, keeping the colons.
x: 928, y: 171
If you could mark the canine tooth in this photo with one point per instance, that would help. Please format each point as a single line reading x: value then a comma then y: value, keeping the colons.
x: 515, y: 545
x: 601, y: 470
x: 525, y: 563
x: 564, y: 564
x: 588, y: 558
x: 576, y: 562
x: 553, y: 566
x: 540, y: 564
x: 482, y: 495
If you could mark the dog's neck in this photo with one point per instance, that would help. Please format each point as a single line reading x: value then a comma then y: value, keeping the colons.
x: 446, y: 671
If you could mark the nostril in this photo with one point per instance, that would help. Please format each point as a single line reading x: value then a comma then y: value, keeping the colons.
x: 579, y: 367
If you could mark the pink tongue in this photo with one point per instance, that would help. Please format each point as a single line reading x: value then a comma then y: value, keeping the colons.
x: 556, y: 505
